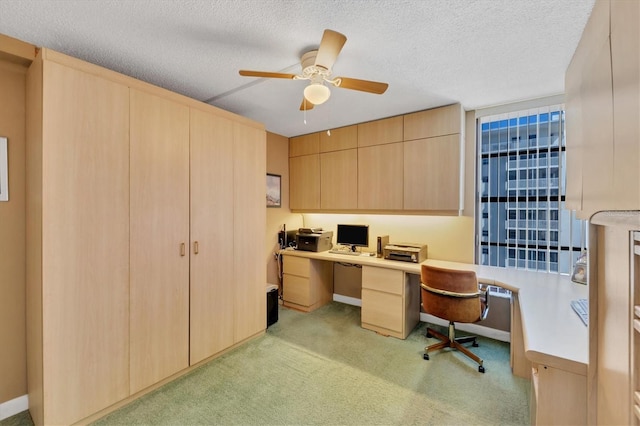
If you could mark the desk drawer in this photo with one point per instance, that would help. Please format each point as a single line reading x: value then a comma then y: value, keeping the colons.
x: 299, y: 266
x: 297, y: 290
x: 382, y: 310
x: 387, y: 280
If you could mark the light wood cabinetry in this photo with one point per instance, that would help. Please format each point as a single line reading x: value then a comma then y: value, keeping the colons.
x: 404, y: 163
x: 432, y: 174
x: 601, y: 112
x: 307, y: 283
x: 339, y: 180
x: 113, y: 226
x: 212, y: 303
x: 304, y: 182
x: 227, y: 297
x: 558, y: 397
x: 159, y: 286
x: 433, y: 122
x: 78, y: 243
x: 379, y: 132
x: 380, y: 171
x: 390, y: 302
x: 341, y: 138
x: 249, y: 229
x: 304, y: 145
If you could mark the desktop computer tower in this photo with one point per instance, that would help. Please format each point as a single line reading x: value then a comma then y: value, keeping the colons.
x: 272, y: 304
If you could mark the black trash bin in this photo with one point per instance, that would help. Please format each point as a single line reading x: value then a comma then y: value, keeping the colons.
x: 272, y: 304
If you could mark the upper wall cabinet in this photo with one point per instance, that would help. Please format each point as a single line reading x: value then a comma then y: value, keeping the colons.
x: 304, y: 145
x: 432, y: 173
x: 404, y: 163
x: 304, y: 182
x: 602, y: 110
x: 388, y: 130
x: 433, y: 122
x: 339, y: 139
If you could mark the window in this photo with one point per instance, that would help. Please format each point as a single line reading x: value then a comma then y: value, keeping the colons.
x: 521, y: 159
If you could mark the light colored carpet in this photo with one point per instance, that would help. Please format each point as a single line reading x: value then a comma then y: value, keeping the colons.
x: 323, y: 368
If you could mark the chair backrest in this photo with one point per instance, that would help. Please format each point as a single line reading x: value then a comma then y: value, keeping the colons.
x: 451, y: 294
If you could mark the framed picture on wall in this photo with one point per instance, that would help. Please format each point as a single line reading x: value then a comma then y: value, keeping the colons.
x: 274, y: 188
x: 4, y: 170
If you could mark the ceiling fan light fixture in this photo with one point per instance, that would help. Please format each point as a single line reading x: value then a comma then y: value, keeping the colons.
x: 317, y: 93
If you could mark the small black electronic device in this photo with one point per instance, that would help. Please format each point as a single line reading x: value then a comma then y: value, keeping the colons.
x: 353, y: 235
x: 287, y: 239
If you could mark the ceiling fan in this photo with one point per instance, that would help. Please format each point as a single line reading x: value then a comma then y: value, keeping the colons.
x: 316, y: 67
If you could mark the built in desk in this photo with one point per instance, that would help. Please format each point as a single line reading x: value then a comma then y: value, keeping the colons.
x: 549, y: 342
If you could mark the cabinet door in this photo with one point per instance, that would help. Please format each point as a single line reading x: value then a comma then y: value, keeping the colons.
x: 625, y: 64
x: 304, y: 182
x: 249, y: 229
x: 339, y: 139
x: 380, y: 177
x: 339, y: 180
x: 212, y: 273
x: 379, y: 132
x: 304, y: 145
x: 433, y: 122
x: 159, y: 239
x: 85, y: 244
x: 432, y: 174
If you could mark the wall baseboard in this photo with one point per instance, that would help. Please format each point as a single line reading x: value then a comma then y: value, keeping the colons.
x: 492, y: 333
x: 14, y: 406
x: 347, y: 300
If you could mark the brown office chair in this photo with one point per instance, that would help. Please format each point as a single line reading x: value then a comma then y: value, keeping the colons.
x: 455, y: 296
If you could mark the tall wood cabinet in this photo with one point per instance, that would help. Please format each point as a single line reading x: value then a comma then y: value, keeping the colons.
x: 77, y: 243
x: 143, y: 208
x: 159, y: 285
x: 212, y: 271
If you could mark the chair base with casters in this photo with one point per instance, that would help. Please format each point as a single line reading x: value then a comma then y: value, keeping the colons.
x: 452, y: 342
x: 454, y: 296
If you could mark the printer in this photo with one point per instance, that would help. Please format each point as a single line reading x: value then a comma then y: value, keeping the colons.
x: 407, y: 252
x: 316, y: 240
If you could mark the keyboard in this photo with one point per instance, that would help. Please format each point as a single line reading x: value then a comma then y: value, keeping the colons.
x: 350, y: 253
x: 581, y: 307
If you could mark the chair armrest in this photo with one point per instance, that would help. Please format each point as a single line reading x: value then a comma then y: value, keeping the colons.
x: 484, y: 297
x: 451, y: 293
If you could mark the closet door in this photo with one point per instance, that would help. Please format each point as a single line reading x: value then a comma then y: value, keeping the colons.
x: 249, y: 177
x: 159, y: 239
x: 212, y: 242
x: 85, y: 244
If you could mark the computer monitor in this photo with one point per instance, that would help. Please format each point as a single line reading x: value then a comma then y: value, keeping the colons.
x: 353, y: 235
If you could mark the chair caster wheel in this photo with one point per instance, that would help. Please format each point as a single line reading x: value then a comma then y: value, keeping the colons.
x: 475, y: 344
x: 481, y: 369
x: 425, y: 357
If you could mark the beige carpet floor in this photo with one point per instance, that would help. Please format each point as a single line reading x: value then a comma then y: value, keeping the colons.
x: 323, y: 368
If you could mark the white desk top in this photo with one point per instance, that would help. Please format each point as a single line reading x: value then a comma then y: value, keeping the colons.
x: 553, y: 333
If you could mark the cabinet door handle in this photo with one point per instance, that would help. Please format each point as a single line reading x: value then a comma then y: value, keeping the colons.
x: 195, y: 247
x: 183, y: 249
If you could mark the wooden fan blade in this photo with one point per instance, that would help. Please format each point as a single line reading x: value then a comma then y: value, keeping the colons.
x: 363, y: 85
x: 305, y: 105
x: 248, y: 73
x: 330, y: 47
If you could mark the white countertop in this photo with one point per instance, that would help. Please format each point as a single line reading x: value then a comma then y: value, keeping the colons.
x: 553, y: 334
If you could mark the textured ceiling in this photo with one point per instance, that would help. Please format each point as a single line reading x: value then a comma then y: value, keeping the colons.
x: 431, y: 52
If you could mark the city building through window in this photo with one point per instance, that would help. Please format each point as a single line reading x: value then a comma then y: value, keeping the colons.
x: 522, y: 222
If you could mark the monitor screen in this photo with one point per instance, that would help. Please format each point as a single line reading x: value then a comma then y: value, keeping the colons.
x: 353, y: 235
